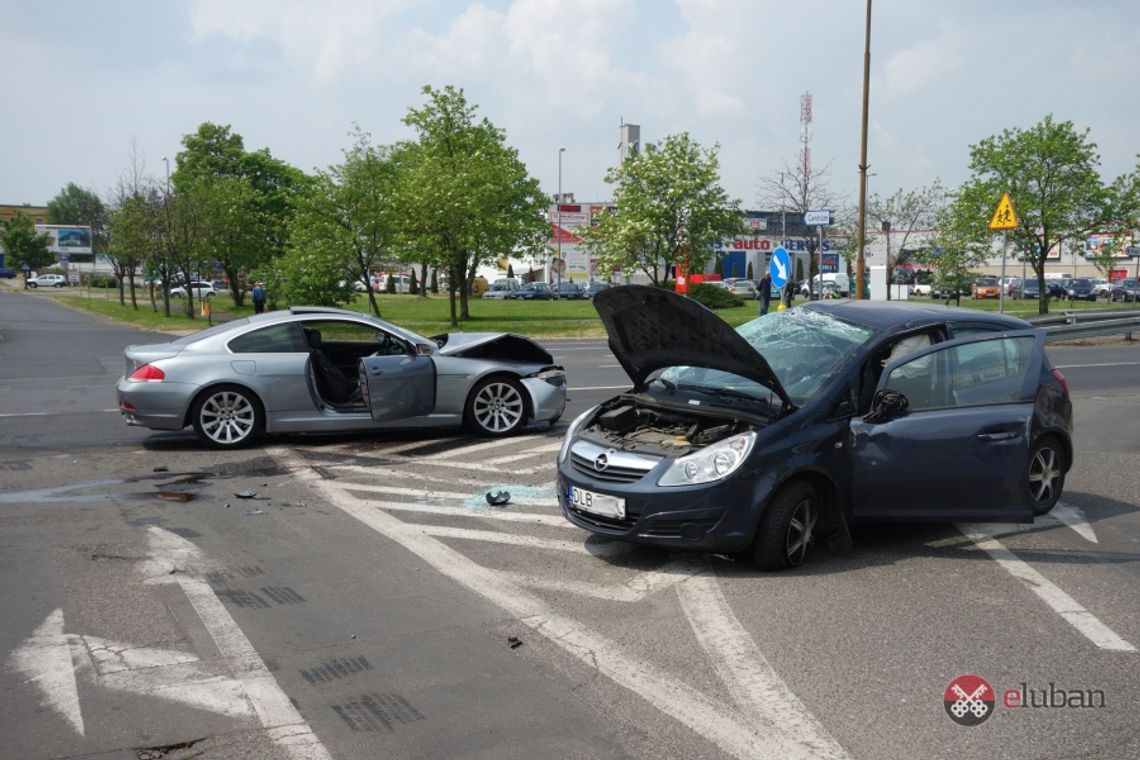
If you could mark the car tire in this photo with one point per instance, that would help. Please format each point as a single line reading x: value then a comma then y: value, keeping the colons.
x: 227, y: 417
x: 496, y: 407
x: 33, y: 285
x: 1046, y: 475
x: 786, y: 530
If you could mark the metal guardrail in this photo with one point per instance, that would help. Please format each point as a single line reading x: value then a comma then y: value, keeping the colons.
x: 1088, y: 324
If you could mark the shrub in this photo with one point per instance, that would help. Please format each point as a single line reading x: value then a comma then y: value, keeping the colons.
x: 713, y: 297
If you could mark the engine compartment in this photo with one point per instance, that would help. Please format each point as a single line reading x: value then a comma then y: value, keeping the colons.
x: 626, y: 425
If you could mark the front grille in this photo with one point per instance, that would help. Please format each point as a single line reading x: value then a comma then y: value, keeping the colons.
x: 618, y: 525
x: 620, y: 466
x: 612, y: 474
x: 672, y: 528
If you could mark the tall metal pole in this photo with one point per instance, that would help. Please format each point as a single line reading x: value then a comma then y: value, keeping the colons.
x: 1001, y: 286
x: 558, y: 264
x: 862, y: 240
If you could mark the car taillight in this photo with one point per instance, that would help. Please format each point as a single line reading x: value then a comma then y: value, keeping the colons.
x: 147, y: 373
x: 1061, y: 379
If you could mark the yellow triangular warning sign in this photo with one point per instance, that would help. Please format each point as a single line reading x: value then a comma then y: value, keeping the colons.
x: 1004, y: 217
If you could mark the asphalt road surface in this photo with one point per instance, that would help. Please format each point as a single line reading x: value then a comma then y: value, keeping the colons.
x: 357, y: 597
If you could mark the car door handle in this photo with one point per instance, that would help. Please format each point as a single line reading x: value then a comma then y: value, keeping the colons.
x: 993, y: 437
x: 375, y: 371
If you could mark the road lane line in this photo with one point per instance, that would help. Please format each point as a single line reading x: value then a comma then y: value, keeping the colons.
x: 548, y: 449
x: 1091, y: 366
x: 1052, y: 594
x: 702, y: 714
x: 634, y: 590
x: 751, y: 680
x: 1072, y: 516
x: 600, y: 388
x: 477, y: 447
x: 270, y: 703
x: 607, y: 550
x: 556, y: 521
x: 26, y: 414
x: 423, y: 493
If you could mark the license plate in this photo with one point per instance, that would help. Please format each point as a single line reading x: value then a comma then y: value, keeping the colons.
x: 596, y: 503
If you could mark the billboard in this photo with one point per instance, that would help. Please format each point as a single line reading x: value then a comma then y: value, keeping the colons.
x: 72, y: 243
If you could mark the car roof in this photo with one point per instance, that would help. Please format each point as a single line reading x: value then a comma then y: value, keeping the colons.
x: 881, y: 315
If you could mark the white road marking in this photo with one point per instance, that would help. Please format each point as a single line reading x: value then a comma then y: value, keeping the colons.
x: 45, y: 659
x: 495, y: 469
x: 1075, y: 519
x: 25, y: 414
x: 1090, y: 366
x: 548, y: 449
x: 423, y: 493
x: 462, y: 451
x: 600, y: 388
x: 705, y: 716
x: 789, y: 729
x: 556, y: 521
x: 391, y: 473
x: 634, y: 590
x: 1052, y: 594
x: 270, y: 704
x: 610, y: 549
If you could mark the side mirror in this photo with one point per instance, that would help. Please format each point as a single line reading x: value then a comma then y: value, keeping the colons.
x: 887, y: 405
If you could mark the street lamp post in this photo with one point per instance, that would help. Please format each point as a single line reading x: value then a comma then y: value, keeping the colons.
x: 166, y: 161
x: 887, y: 232
x: 558, y: 265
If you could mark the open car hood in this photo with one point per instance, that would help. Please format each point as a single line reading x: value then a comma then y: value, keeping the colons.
x: 650, y: 329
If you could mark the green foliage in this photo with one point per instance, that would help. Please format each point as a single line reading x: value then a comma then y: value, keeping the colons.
x: 464, y: 193
x: 1051, y: 173
x: 961, y: 244
x: 434, y: 282
x: 714, y: 297
x: 672, y: 210
x: 413, y: 286
x: 312, y: 276
x: 390, y: 284
x: 23, y: 245
x: 749, y: 275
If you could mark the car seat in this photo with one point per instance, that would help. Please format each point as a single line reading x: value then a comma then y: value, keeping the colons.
x: 333, y: 385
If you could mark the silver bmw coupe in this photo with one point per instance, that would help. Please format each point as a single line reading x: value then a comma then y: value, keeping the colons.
x: 320, y: 370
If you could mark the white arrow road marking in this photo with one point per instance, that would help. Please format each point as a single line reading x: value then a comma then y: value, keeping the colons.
x: 167, y: 674
x: 1052, y: 594
x: 717, y: 722
x: 1075, y: 519
x: 269, y: 703
x: 789, y: 729
x: 45, y: 659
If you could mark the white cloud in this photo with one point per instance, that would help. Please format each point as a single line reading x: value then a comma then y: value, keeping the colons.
x: 924, y: 64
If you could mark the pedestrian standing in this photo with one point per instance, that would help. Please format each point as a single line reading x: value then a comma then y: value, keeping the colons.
x: 765, y: 294
x: 258, y: 294
x: 789, y: 291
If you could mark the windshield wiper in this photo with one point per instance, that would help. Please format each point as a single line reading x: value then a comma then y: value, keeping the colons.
x: 729, y: 393
x: 667, y: 383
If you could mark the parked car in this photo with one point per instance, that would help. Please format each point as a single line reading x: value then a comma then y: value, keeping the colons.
x: 742, y: 287
x: 568, y: 290
x: 1125, y: 290
x: 1005, y: 283
x: 534, y: 291
x: 319, y: 370
x: 7, y: 273
x: 501, y: 289
x: 951, y: 288
x: 1100, y: 287
x: 986, y: 287
x: 47, y: 281
x: 724, y: 442
x: 1054, y: 288
x: 200, y: 290
x: 1026, y: 289
x: 594, y: 288
x: 840, y: 283
x: 923, y: 289
x: 1078, y: 289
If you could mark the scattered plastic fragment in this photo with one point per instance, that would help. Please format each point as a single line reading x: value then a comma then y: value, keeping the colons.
x: 514, y: 642
x: 161, y: 469
x: 499, y: 499
x: 254, y: 512
x: 245, y: 494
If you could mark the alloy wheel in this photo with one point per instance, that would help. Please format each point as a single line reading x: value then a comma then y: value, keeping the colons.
x: 801, y: 527
x: 227, y: 418
x: 1044, y: 474
x: 498, y: 407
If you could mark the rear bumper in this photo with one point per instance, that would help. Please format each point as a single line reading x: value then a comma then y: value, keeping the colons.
x: 158, y: 406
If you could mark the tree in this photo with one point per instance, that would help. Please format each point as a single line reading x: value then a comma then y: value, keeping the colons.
x: 464, y: 193
x: 344, y: 224
x: 131, y: 225
x: 903, y: 213
x: 960, y: 244
x: 795, y: 190
x: 1050, y: 172
x: 671, y: 209
x: 24, y: 245
x: 246, y: 196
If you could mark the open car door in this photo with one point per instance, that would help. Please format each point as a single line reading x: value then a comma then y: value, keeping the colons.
x: 398, y: 387
x: 947, y: 436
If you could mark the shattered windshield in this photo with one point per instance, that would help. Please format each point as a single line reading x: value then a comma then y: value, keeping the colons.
x: 804, y: 348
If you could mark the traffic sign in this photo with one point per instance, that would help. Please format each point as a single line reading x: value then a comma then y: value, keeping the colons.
x: 818, y: 218
x: 1004, y: 217
x: 779, y: 267
x: 1133, y: 251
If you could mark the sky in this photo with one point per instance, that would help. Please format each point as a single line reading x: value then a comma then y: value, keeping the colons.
x: 86, y: 81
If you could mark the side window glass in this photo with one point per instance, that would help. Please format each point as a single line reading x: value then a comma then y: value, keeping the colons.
x: 276, y: 339
x: 352, y: 339
x: 972, y: 331
x: 975, y: 374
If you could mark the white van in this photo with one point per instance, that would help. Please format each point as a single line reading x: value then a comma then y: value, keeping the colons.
x: 501, y: 289
x: 836, y: 281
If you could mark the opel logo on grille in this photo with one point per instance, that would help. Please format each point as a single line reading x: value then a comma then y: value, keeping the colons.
x: 603, y: 461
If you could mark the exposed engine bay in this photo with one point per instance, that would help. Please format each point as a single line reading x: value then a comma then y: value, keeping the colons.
x: 626, y: 425
x: 493, y: 347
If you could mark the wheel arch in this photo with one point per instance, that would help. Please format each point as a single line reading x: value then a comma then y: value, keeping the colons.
x: 832, y: 512
x: 205, y: 389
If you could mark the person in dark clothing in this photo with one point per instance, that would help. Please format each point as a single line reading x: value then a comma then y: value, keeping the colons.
x: 765, y: 294
x: 789, y: 291
x: 258, y: 295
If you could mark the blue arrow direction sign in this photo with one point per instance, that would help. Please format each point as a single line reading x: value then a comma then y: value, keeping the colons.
x: 779, y: 267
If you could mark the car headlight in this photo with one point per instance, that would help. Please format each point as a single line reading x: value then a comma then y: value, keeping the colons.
x: 572, y: 431
x: 710, y: 463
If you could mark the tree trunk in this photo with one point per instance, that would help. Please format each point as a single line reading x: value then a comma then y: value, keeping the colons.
x: 423, y: 280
